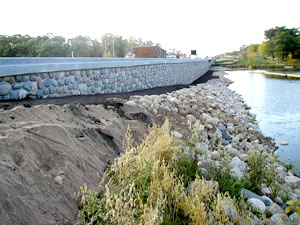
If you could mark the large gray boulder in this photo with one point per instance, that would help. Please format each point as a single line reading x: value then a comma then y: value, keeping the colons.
x: 292, y: 181
x: 275, y: 209
x: 294, y: 219
x: 280, y: 219
x: 256, y: 205
x: 238, y: 167
x: 267, y: 200
x: 249, y: 194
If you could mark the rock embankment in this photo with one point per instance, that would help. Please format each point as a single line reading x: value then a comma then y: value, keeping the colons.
x: 228, y: 130
x: 221, y: 113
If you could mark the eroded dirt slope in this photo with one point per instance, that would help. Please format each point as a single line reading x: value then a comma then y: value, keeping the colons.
x: 47, y: 152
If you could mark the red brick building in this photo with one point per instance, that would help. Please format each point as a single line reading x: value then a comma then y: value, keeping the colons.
x: 149, y: 52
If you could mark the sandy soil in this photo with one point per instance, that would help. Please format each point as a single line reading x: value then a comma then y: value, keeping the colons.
x: 47, y: 152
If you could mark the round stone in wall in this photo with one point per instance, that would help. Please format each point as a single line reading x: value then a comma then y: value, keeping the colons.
x: 5, y: 88
x: 33, y: 77
x: 46, y: 91
x: 16, y: 85
x: 47, y: 82
x: 40, y: 83
x: 27, y: 86
x: 22, y: 94
x: 60, y: 90
x: 14, y: 94
x: 54, y: 83
x: 51, y: 75
x: 10, y: 79
x: 26, y: 78
x: 18, y: 78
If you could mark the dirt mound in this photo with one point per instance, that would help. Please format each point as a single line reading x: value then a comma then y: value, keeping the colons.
x: 47, y: 152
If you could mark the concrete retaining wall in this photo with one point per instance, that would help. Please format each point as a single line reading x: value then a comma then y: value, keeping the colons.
x: 58, y: 77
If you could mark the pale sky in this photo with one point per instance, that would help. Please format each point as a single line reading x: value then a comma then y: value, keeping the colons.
x: 211, y: 27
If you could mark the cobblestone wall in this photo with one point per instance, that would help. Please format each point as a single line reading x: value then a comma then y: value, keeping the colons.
x: 99, y: 81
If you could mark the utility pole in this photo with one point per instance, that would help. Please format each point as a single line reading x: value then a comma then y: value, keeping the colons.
x: 113, y: 48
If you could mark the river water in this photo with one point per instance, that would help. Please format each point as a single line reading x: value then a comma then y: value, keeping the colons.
x: 276, y: 103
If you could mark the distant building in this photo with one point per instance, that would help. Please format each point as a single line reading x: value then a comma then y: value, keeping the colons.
x: 149, y: 52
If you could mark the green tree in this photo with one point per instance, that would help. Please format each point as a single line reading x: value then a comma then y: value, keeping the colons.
x: 282, y: 41
x: 297, y: 50
x: 55, y: 46
x: 262, y: 49
x: 269, y: 34
x: 20, y: 46
x: 15, y: 46
x: 119, y: 45
x: 95, y: 49
x: 5, y: 46
x: 251, y: 51
x: 80, y: 46
x: 270, y: 49
x: 115, y: 46
x: 130, y: 43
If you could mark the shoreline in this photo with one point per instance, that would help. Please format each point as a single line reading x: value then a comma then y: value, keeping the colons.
x: 224, y: 68
x: 265, y: 67
x: 287, y: 153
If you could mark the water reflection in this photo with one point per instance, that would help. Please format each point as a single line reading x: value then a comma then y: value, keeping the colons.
x: 276, y: 102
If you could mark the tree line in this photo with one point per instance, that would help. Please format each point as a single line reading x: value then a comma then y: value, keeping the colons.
x: 280, y: 43
x: 49, y: 45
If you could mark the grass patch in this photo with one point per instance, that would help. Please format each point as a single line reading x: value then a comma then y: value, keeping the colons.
x: 160, y: 182
x: 227, y: 182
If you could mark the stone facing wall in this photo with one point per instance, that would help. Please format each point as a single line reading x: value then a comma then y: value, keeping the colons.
x: 99, y: 81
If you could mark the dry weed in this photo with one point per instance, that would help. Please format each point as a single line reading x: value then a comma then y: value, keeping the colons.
x: 143, y: 187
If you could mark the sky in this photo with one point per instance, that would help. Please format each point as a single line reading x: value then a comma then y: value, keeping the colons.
x: 211, y: 27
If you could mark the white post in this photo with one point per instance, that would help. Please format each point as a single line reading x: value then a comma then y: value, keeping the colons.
x: 113, y: 48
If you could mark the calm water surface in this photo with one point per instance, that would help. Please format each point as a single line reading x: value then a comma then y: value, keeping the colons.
x: 276, y: 103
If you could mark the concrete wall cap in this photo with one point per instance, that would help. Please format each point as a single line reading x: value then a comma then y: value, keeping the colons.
x: 28, y: 65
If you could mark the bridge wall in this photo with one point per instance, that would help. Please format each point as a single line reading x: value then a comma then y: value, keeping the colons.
x: 57, y: 77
